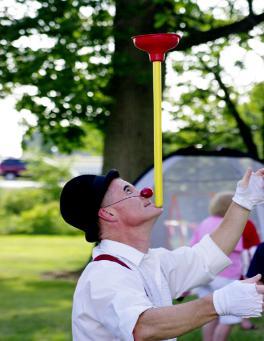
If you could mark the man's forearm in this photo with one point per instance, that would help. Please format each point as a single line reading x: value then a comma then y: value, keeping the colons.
x: 170, y: 322
x: 227, y: 235
x: 249, y: 192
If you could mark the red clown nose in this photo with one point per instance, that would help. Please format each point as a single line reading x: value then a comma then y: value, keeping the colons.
x: 146, y: 192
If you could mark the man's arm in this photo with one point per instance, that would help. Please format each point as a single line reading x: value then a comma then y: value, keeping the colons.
x: 170, y: 322
x: 227, y: 235
x: 240, y: 298
x: 249, y: 192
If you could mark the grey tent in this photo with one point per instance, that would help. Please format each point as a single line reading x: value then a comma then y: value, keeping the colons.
x: 190, y: 178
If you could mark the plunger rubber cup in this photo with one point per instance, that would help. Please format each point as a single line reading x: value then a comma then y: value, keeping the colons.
x: 156, y: 45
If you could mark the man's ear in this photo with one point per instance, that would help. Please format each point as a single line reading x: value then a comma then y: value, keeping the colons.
x: 107, y: 214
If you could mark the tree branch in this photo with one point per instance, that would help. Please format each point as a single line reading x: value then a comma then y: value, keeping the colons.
x: 243, y: 127
x: 250, y: 7
x: 242, y: 26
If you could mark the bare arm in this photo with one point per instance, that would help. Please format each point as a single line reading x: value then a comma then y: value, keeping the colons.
x: 227, y: 235
x: 170, y: 322
x: 240, y: 298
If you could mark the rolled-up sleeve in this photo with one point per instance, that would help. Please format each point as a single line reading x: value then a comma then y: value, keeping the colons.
x: 188, y: 267
x: 118, y: 299
x: 212, y: 254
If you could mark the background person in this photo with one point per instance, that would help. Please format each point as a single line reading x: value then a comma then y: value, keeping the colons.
x: 257, y: 263
x: 126, y: 292
x: 251, y: 240
x: 219, y: 329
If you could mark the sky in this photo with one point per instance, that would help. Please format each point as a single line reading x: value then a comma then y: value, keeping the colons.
x: 11, y: 130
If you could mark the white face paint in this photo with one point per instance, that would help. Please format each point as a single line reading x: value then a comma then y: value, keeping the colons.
x: 131, y: 208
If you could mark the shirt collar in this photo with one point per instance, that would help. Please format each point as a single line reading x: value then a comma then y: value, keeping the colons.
x: 119, y: 250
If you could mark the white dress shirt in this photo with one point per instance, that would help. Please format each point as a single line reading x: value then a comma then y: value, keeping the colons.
x: 110, y: 297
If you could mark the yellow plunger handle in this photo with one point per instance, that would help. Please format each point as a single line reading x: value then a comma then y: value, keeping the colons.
x: 157, y: 134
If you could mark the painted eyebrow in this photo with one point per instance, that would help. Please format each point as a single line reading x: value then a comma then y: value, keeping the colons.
x: 126, y: 187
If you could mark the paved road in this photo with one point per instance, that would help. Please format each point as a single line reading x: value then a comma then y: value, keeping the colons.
x: 17, y: 183
x: 80, y: 165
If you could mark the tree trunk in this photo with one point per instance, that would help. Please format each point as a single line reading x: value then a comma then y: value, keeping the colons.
x: 129, y: 135
x: 129, y: 132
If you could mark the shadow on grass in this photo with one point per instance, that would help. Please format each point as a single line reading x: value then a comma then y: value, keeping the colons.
x: 35, y: 309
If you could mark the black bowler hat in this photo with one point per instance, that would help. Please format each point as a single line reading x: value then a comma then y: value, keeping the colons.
x: 81, y: 199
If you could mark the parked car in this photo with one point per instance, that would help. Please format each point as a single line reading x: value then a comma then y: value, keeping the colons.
x: 12, y: 168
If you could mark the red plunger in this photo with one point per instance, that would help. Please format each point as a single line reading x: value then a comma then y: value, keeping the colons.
x: 156, y: 45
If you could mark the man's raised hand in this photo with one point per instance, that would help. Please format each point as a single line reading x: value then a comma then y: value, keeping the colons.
x: 250, y: 189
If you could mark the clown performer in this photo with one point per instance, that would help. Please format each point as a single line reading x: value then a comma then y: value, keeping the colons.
x: 126, y: 292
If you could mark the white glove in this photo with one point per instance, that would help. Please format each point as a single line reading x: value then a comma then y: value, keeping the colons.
x: 250, y: 190
x: 239, y: 299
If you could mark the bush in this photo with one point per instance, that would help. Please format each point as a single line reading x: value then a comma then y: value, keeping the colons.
x: 49, y: 174
x: 15, y: 201
x: 12, y: 203
x: 36, y: 210
x: 41, y: 219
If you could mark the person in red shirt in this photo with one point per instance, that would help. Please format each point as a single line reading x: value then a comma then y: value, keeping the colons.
x: 251, y: 240
x: 250, y: 236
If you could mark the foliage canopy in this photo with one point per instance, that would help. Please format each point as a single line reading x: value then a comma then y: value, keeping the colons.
x: 83, y: 68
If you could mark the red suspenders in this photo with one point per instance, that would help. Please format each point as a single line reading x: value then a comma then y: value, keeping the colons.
x: 111, y: 259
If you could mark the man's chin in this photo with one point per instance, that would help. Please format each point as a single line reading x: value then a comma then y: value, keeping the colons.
x: 157, y: 211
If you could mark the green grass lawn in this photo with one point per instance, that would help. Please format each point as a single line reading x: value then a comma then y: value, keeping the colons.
x: 37, y: 307
x: 32, y: 306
